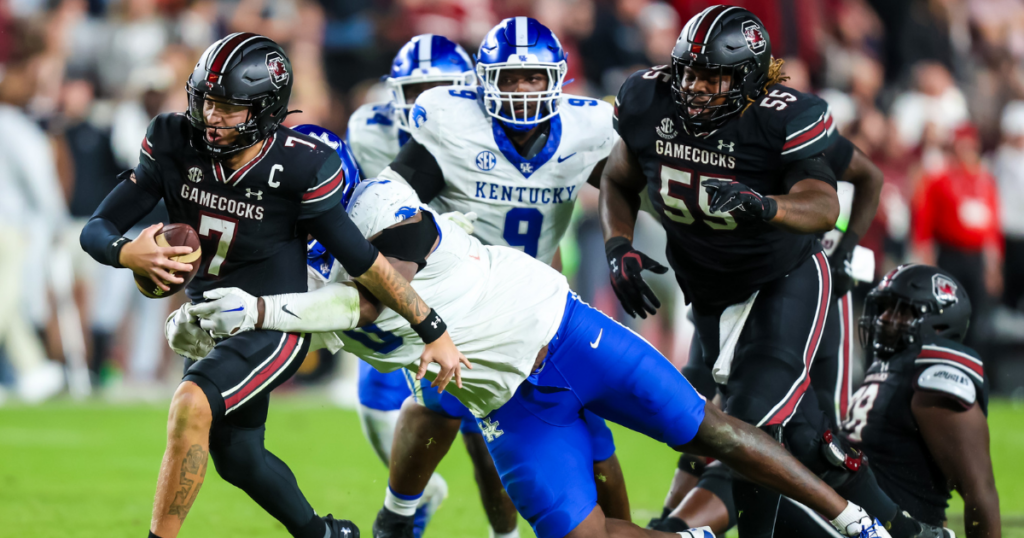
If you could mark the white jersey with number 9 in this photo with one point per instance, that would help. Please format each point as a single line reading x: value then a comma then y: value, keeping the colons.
x: 522, y: 203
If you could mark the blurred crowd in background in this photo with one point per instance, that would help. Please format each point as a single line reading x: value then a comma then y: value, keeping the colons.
x: 931, y: 90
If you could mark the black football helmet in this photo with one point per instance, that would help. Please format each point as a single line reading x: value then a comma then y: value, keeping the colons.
x: 242, y: 69
x: 938, y: 303
x: 733, y: 41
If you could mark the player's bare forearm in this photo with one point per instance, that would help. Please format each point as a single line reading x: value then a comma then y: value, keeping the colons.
x: 867, y: 182
x: 394, y: 290
x: 621, y: 183
x: 758, y: 457
x: 958, y: 439
x: 981, y: 515
x: 812, y: 206
x: 369, y: 306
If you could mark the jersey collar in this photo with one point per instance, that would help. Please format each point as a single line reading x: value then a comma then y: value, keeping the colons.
x: 528, y: 166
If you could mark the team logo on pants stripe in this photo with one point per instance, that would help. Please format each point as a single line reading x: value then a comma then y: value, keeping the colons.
x: 263, y: 375
x: 784, y: 410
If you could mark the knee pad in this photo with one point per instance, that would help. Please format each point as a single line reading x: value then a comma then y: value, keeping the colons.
x: 717, y: 479
x: 692, y: 465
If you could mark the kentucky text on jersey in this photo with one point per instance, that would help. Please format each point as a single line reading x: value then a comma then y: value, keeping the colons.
x: 533, y: 195
x: 690, y: 153
x: 225, y: 205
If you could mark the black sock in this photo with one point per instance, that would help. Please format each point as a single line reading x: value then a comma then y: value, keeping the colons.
x: 152, y: 535
x: 673, y: 524
x: 314, y: 528
x: 862, y: 489
x: 904, y: 526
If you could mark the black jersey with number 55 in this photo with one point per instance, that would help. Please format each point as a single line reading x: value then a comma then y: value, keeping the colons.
x: 247, y: 219
x: 717, y: 260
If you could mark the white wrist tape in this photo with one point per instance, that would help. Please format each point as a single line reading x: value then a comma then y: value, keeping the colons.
x: 334, y: 307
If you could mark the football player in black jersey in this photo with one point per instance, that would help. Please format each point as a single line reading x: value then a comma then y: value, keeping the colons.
x: 920, y: 416
x: 252, y: 190
x: 711, y: 501
x: 733, y: 162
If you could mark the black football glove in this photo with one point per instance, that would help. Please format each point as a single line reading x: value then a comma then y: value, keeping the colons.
x: 626, y: 265
x: 729, y: 196
x: 839, y: 261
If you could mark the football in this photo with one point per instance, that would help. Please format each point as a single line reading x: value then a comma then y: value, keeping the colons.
x: 173, y: 235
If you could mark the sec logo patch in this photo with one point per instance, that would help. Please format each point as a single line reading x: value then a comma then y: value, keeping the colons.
x: 485, y: 160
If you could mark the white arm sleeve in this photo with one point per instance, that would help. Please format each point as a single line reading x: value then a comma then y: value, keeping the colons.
x: 334, y: 307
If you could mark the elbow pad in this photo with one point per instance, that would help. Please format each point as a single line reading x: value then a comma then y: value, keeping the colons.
x: 335, y: 307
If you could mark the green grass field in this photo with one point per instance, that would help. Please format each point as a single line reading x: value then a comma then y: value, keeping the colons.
x: 82, y: 471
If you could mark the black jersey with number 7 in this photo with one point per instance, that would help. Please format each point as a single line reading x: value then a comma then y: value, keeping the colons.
x: 247, y: 219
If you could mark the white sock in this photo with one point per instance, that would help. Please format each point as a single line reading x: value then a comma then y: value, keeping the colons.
x: 403, y: 505
x: 849, y: 521
x: 513, y: 534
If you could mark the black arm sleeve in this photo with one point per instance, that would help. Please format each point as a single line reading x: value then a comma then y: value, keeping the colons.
x: 839, y: 155
x: 815, y: 167
x: 420, y: 170
x: 126, y: 205
x: 339, y: 235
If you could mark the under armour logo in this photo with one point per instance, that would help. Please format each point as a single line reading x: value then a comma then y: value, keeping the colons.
x: 722, y: 145
x: 527, y: 168
x: 346, y: 532
x: 615, y: 266
x: 435, y: 322
x: 490, y: 430
x: 249, y: 193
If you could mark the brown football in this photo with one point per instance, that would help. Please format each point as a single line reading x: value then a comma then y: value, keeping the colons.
x: 173, y: 235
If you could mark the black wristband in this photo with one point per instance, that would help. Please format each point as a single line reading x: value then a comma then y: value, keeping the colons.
x: 846, y: 245
x: 114, y: 251
x: 431, y: 328
x: 771, y: 207
x: 613, y: 245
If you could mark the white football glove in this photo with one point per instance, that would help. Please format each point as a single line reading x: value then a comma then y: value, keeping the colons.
x: 227, y: 312
x: 184, y: 335
x: 462, y: 220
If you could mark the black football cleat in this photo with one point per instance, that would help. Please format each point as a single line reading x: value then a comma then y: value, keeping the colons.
x: 340, y: 528
x: 391, y: 525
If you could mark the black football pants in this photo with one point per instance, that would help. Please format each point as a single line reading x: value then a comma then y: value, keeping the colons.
x: 237, y: 377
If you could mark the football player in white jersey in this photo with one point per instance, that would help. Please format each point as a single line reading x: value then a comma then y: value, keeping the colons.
x: 537, y: 363
x: 515, y: 151
x: 376, y: 133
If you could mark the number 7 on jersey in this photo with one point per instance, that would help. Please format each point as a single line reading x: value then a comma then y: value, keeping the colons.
x: 225, y: 228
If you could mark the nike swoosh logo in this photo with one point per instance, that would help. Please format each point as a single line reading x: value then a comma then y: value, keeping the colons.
x: 560, y: 159
x: 597, y: 342
x: 234, y: 309
x: 285, y: 308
